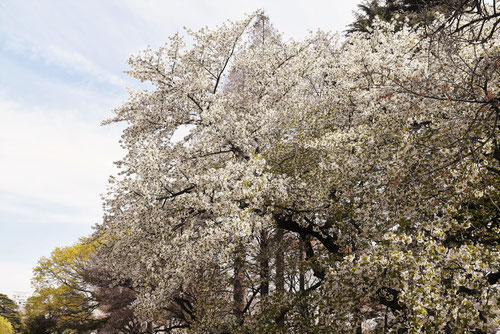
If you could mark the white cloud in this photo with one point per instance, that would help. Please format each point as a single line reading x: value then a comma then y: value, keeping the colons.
x: 56, y: 158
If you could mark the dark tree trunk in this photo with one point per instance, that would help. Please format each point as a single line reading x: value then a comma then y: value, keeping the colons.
x: 302, y: 279
x: 280, y: 272
x: 280, y: 261
x: 264, y: 262
x: 238, y: 285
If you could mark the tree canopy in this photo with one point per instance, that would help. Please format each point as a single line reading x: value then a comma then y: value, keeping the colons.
x: 313, y: 186
x: 63, y: 299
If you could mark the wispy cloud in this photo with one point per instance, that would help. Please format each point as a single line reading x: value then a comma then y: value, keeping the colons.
x: 69, y: 60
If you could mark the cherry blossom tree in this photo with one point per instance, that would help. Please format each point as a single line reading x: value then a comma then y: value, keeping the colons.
x: 274, y: 186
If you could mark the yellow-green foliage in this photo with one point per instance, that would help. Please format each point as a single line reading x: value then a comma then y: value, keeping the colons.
x: 65, y: 265
x: 5, y: 326
x: 61, y: 291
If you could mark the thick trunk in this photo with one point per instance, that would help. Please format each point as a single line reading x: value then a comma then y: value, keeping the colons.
x: 280, y: 261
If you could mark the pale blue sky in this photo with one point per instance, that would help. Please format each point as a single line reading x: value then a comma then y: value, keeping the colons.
x: 61, y: 73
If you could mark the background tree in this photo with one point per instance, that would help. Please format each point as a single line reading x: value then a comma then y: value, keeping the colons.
x: 9, y: 310
x: 421, y: 13
x: 74, y: 293
x: 62, y: 296
x: 418, y: 12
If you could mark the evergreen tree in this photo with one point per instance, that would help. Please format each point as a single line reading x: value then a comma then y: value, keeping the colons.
x: 418, y: 12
